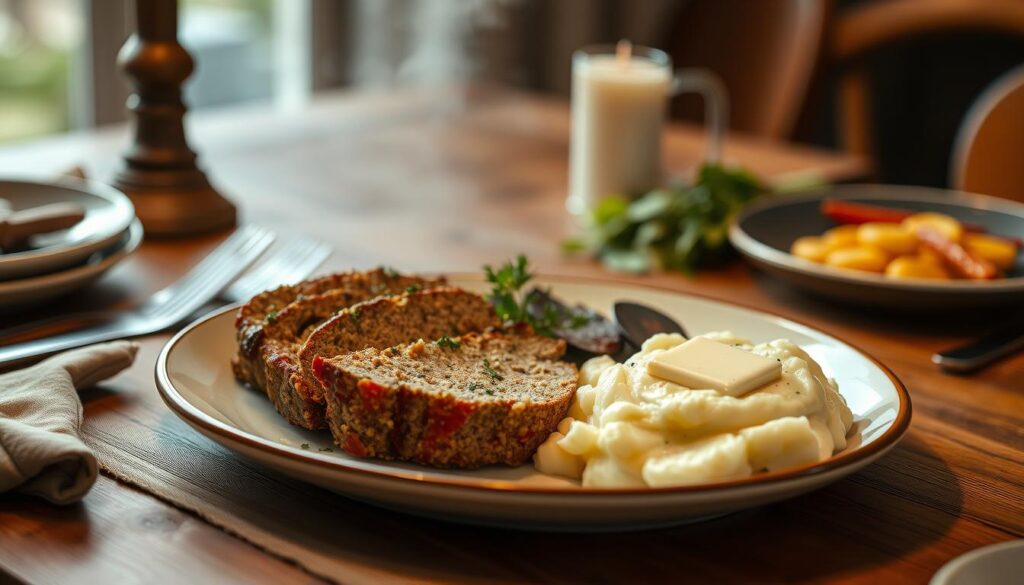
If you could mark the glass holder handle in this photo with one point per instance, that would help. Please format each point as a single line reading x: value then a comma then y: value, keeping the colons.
x: 712, y: 90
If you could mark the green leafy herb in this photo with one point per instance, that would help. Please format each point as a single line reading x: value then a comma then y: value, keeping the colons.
x: 355, y: 314
x: 321, y: 449
x: 578, y: 320
x: 448, y: 343
x: 413, y: 288
x: 473, y: 386
x: 679, y: 228
x: 513, y: 305
x: 489, y: 392
x: 490, y: 371
x: 271, y: 316
x: 305, y: 445
x: 389, y: 271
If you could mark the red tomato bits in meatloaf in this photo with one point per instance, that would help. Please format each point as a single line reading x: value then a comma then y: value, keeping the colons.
x: 460, y: 402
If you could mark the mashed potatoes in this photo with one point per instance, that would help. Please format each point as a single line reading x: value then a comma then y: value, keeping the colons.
x: 627, y: 428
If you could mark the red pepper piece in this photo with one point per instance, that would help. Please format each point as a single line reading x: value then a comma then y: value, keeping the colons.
x: 848, y: 212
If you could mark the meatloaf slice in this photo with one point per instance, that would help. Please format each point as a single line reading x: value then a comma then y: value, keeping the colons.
x: 460, y: 402
x: 255, y: 314
x: 384, y: 322
x: 268, y: 350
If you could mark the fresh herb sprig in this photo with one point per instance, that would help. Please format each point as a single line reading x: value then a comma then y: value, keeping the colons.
x: 513, y: 305
x: 679, y: 228
x: 446, y: 342
x: 490, y: 371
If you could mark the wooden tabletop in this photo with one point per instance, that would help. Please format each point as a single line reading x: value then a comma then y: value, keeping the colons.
x: 439, y: 181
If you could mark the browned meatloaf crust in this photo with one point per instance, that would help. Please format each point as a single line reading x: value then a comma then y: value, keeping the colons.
x: 476, y: 400
x: 384, y: 322
x: 252, y: 316
x: 272, y: 327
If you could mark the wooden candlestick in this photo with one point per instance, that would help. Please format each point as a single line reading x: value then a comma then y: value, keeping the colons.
x: 172, y: 196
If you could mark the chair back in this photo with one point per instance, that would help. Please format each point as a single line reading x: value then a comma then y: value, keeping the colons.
x: 766, y: 52
x: 988, y: 156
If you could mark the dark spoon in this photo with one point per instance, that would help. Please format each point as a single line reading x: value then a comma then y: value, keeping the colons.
x: 638, y: 322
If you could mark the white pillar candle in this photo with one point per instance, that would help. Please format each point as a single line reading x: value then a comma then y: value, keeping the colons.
x: 618, y: 109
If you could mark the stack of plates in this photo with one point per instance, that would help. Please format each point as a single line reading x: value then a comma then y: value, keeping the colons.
x: 58, y: 263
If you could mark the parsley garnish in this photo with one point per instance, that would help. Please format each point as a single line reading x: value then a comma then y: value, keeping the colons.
x: 356, y: 316
x: 682, y: 227
x: 326, y: 449
x: 473, y: 386
x: 389, y: 271
x: 489, y: 392
x: 305, y: 445
x: 272, y: 316
x: 513, y: 306
x: 490, y: 371
x: 413, y: 288
x: 448, y: 343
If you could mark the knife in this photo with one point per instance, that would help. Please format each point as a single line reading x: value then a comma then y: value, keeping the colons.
x: 16, y: 227
x: 973, y: 356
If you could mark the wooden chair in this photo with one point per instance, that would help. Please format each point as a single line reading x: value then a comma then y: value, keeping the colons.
x: 988, y: 156
x: 864, y: 29
x: 766, y: 52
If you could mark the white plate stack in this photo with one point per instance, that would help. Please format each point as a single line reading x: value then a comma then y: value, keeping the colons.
x: 50, y: 265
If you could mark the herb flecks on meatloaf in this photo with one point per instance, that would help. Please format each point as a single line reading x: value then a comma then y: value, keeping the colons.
x: 460, y: 402
x: 272, y: 326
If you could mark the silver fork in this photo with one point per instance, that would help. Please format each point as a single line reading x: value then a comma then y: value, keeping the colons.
x: 295, y: 258
x: 164, y: 309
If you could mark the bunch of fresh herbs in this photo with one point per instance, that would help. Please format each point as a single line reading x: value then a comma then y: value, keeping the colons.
x: 679, y: 228
x: 513, y: 305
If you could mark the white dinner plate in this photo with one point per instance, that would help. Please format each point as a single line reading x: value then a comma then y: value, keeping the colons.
x: 996, y: 564
x: 35, y: 290
x: 108, y: 213
x: 193, y: 374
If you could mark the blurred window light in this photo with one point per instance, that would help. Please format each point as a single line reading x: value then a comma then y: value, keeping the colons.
x: 232, y: 43
x: 38, y: 42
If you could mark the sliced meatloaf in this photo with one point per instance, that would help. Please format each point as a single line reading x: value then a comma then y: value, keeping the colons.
x: 255, y: 314
x: 384, y: 322
x: 459, y: 402
x: 267, y: 357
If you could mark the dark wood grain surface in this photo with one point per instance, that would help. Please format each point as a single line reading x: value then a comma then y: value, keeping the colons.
x: 447, y: 181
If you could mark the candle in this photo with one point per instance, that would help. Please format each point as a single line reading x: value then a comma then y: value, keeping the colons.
x: 618, y: 109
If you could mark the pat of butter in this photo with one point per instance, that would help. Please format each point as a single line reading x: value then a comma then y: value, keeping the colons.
x: 703, y: 363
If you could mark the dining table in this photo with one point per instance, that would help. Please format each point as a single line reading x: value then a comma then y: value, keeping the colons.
x: 446, y: 179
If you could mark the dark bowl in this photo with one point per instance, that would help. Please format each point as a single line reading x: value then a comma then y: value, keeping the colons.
x: 766, y: 229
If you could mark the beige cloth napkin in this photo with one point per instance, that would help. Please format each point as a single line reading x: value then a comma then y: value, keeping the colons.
x: 40, y: 415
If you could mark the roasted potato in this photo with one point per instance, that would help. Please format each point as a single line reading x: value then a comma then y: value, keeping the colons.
x: 837, y: 238
x: 916, y: 267
x: 861, y: 257
x: 891, y: 238
x: 944, y: 224
x: 809, y: 248
x: 1000, y: 252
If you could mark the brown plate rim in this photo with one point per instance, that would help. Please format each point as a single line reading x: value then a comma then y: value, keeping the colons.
x: 889, y: 438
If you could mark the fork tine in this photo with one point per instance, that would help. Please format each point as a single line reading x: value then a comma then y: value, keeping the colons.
x: 295, y: 259
x: 202, y: 291
x: 216, y: 261
x: 273, y: 266
x: 213, y: 273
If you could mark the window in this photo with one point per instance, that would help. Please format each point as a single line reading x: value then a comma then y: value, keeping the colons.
x: 39, y: 43
x: 232, y: 44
